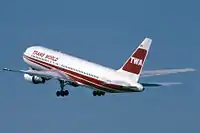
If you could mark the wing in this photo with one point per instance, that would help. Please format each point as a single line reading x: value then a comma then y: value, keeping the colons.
x: 149, y: 73
x: 47, y: 74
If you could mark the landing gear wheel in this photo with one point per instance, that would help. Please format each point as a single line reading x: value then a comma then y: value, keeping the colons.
x: 98, y: 93
x: 66, y: 92
x: 62, y: 93
x: 94, y: 93
x: 58, y: 93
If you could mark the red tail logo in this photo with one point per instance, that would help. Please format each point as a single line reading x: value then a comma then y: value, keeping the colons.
x: 135, y: 62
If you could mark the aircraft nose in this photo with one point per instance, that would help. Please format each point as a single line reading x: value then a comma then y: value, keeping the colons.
x: 28, y: 51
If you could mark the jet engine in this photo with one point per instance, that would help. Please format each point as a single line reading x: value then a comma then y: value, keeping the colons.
x: 34, y: 79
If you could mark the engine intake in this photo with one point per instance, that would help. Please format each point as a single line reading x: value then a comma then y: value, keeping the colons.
x: 34, y: 79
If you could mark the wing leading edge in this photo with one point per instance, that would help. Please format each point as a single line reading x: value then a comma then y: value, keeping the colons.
x: 47, y: 74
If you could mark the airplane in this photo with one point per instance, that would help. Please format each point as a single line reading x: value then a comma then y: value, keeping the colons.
x: 45, y: 64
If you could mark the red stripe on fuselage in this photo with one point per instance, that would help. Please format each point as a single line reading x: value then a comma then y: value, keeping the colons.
x: 82, y: 78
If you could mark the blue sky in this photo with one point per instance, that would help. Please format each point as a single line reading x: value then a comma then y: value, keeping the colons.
x: 105, y: 32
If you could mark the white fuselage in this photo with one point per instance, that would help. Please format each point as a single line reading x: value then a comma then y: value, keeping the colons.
x: 82, y: 71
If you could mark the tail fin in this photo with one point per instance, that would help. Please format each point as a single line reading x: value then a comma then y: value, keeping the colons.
x: 133, y: 66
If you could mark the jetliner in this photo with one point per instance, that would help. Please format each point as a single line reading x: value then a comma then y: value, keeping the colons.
x: 45, y: 64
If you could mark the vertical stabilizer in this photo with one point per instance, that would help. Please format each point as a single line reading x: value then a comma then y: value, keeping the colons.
x: 133, y: 66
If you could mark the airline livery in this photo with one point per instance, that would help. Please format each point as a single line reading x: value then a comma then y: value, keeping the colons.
x: 45, y: 64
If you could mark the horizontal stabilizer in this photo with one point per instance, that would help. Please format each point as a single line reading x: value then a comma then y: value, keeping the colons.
x: 149, y: 73
x: 160, y: 84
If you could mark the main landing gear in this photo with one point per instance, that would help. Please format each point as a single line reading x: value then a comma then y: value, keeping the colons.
x: 98, y: 93
x: 62, y: 92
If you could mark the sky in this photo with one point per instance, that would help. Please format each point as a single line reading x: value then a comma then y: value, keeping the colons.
x: 105, y: 32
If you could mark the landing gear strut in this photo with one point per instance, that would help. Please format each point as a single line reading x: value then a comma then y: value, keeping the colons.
x: 62, y: 92
x: 98, y: 93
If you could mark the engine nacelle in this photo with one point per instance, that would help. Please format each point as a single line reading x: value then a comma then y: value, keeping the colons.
x: 34, y: 79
